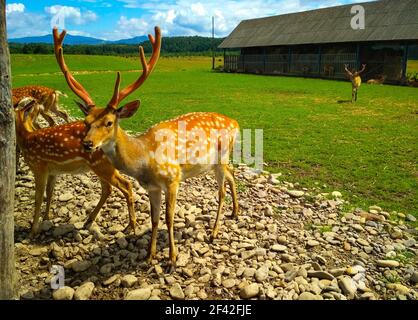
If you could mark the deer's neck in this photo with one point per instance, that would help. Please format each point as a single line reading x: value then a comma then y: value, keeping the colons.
x: 23, y: 130
x: 128, y: 154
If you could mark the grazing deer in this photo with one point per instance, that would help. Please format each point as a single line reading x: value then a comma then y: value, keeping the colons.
x: 355, y: 81
x: 329, y: 70
x: 379, y: 80
x: 145, y: 157
x: 46, y: 102
x: 58, y: 150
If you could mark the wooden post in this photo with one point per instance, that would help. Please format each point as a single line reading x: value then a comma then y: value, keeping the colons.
x: 290, y: 60
x: 224, y: 59
x: 358, y: 62
x: 264, y: 59
x: 213, y: 43
x: 319, y: 60
x: 405, y: 62
x: 8, y: 167
x: 243, y: 60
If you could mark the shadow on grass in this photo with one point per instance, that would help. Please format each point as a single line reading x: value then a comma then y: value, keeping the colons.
x: 343, y: 101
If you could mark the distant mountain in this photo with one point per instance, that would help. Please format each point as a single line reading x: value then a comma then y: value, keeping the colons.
x: 135, y: 40
x: 77, y: 40
x: 69, y: 39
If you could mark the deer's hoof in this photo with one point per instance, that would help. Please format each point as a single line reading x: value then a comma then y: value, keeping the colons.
x: 33, y: 233
x: 171, y: 268
x: 87, y: 225
x: 131, y: 227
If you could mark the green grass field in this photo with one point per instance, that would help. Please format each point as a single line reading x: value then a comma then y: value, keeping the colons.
x: 412, y: 66
x: 367, y: 150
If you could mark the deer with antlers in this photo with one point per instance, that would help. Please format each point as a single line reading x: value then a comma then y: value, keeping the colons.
x: 46, y: 102
x: 355, y: 80
x: 57, y: 150
x: 163, y: 156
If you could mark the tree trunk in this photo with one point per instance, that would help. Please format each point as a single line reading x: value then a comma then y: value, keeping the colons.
x: 7, y: 167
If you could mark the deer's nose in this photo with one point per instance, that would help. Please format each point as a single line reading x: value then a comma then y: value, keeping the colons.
x: 88, y: 145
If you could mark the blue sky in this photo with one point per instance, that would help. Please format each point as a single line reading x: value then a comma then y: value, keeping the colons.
x: 120, y: 19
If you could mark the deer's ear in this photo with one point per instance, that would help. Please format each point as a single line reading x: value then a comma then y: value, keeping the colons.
x: 128, y: 110
x: 85, y: 109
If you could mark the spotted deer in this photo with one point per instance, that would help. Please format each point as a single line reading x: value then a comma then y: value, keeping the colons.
x: 46, y: 102
x: 355, y: 80
x: 160, y: 158
x: 57, y: 150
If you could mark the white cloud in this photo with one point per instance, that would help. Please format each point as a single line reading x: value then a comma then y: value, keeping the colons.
x: 21, y: 23
x: 198, y: 9
x: 193, y: 17
x: 72, y: 14
x: 128, y: 28
x: 185, y: 17
x: 15, y: 7
x: 24, y: 24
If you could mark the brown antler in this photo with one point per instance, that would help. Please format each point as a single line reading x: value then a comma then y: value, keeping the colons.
x: 147, y: 68
x: 363, y: 67
x: 346, y: 70
x: 75, y: 86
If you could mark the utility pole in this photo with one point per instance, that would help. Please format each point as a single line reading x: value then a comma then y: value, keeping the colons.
x: 213, y: 42
x: 8, y: 167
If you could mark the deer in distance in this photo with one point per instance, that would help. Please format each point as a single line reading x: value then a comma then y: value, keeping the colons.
x: 46, y: 102
x: 355, y: 80
x: 329, y: 70
x: 162, y: 157
x: 380, y: 80
x: 57, y: 150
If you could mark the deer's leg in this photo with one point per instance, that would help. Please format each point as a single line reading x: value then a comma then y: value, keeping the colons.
x: 220, y: 178
x: 356, y: 93
x: 106, y: 191
x: 108, y: 173
x: 49, y: 192
x: 40, y: 184
x: 229, y: 175
x: 170, y: 198
x: 125, y: 187
x: 155, y: 201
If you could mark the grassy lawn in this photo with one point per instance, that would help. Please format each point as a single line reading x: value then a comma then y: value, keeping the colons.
x: 367, y: 150
x: 412, y: 66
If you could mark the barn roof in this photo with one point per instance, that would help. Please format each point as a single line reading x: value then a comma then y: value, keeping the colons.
x: 385, y: 20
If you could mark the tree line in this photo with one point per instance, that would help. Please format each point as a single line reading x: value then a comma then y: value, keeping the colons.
x: 170, y: 46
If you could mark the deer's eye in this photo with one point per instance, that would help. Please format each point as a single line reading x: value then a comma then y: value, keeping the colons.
x: 109, y: 124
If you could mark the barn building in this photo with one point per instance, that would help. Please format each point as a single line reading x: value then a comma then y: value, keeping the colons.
x: 319, y: 43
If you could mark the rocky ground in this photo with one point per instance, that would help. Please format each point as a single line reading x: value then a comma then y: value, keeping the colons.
x: 288, y: 243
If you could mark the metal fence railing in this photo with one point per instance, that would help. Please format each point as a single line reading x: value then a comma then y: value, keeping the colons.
x: 324, y: 65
